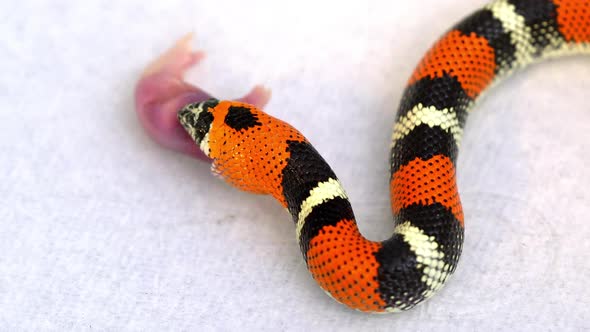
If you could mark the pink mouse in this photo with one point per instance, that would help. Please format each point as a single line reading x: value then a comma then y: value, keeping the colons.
x: 161, y: 92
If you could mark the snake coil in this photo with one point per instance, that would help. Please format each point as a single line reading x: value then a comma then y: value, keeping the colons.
x: 258, y: 153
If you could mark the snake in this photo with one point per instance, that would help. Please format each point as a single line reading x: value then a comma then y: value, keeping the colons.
x: 259, y: 153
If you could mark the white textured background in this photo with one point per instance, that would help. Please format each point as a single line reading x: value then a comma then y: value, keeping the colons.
x: 101, y: 229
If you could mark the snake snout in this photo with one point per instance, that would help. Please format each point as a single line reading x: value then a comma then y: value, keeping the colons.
x: 196, y: 118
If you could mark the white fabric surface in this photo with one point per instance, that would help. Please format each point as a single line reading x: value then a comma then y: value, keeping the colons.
x: 102, y: 229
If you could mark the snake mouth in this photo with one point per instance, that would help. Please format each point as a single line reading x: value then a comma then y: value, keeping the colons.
x: 196, y: 120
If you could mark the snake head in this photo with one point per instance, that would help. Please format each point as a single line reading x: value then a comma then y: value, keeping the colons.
x: 196, y: 118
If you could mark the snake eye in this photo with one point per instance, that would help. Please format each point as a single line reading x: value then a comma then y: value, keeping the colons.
x: 205, y: 105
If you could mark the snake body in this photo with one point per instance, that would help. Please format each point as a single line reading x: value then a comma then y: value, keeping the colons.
x: 259, y: 153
